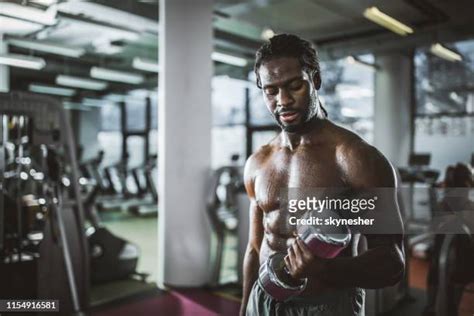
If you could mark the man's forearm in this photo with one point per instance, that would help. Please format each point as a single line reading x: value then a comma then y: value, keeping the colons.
x: 375, y: 268
x: 250, y: 269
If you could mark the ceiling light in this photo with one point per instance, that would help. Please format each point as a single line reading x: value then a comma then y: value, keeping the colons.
x: 75, y: 106
x: 45, y: 2
x: 456, y: 97
x: 267, y: 34
x: 145, y: 64
x: 38, y: 88
x: 30, y: 14
x: 445, y: 53
x: 350, y: 59
x: 47, y: 48
x: 106, y: 47
x: 357, y: 61
x: 114, y: 75
x: 82, y: 83
x: 229, y: 59
x: 382, y: 19
x: 94, y: 102
x: 22, y: 61
x: 15, y: 27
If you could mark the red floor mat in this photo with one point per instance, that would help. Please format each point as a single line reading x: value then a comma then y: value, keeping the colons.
x: 177, y: 303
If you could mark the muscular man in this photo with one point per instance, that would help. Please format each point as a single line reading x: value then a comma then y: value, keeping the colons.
x: 311, y: 151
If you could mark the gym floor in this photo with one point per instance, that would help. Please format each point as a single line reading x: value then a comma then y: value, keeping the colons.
x: 141, y: 231
x: 139, y: 298
x: 131, y: 296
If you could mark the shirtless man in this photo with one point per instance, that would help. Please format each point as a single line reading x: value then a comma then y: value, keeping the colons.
x: 311, y: 151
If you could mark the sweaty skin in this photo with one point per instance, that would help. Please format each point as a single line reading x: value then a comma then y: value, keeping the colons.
x: 313, y: 152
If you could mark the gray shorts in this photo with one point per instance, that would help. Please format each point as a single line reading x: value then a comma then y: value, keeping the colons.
x: 344, y: 302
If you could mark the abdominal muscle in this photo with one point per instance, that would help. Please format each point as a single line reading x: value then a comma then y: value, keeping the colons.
x: 279, y: 235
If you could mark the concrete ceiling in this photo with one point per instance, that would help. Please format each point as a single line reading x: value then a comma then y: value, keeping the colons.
x: 113, y: 32
x: 339, y: 28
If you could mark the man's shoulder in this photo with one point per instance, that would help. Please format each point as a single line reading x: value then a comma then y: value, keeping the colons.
x: 359, y: 160
x: 259, y: 157
x: 255, y: 163
x: 344, y: 140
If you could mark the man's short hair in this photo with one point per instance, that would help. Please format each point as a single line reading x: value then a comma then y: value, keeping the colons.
x: 288, y: 45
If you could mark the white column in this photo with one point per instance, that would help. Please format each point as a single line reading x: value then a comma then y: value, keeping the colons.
x: 392, y: 119
x: 4, y: 70
x: 185, y: 47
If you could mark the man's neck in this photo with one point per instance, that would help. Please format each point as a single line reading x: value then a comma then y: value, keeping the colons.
x: 304, y: 136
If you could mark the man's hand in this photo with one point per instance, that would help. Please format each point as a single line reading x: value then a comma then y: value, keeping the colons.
x: 301, y: 262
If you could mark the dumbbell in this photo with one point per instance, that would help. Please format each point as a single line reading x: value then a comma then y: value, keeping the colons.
x: 322, y: 241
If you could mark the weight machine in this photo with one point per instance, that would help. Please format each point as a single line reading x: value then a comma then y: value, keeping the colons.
x: 43, y: 247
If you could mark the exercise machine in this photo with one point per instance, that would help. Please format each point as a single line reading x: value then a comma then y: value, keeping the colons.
x: 38, y: 259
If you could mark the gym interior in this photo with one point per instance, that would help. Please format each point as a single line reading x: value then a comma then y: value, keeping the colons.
x: 125, y: 127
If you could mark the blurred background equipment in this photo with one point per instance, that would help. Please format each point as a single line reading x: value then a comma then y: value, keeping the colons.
x: 44, y: 251
x: 398, y: 73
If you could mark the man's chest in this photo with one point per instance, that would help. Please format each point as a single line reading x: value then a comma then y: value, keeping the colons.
x: 297, y: 171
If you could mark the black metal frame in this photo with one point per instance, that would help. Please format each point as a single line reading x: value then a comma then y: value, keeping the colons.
x: 145, y: 133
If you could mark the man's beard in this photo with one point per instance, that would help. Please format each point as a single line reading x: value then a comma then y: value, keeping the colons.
x: 305, y: 116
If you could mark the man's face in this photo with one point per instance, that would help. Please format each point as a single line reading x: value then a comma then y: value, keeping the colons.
x: 289, y: 92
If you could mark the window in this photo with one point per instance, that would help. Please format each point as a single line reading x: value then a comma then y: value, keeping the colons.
x: 226, y: 142
x: 260, y: 138
x: 259, y: 114
x: 228, y: 113
x: 347, y: 93
x: 136, y: 114
x: 442, y: 86
x: 136, y: 154
x: 110, y: 136
x: 110, y: 117
x: 228, y: 101
x: 444, y: 111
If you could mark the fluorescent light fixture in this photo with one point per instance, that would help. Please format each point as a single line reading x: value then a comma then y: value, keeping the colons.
x: 45, y: 2
x: 47, y: 48
x: 145, y: 64
x: 22, y: 61
x: 382, y: 19
x: 115, y: 97
x: 114, y: 75
x: 30, y: 14
x: 94, y: 102
x: 75, y: 106
x: 357, y: 61
x: 445, y: 53
x: 13, y: 26
x: 106, y: 47
x: 229, y: 59
x: 267, y: 34
x: 82, y: 83
x: 39, y: 88
x: 456, y: 97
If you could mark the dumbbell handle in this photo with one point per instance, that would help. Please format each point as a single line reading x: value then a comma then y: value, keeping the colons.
x: 327, y: 251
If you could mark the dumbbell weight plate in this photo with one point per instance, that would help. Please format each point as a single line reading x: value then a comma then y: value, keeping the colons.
x: 325, y: 244
x: 276, y: 281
